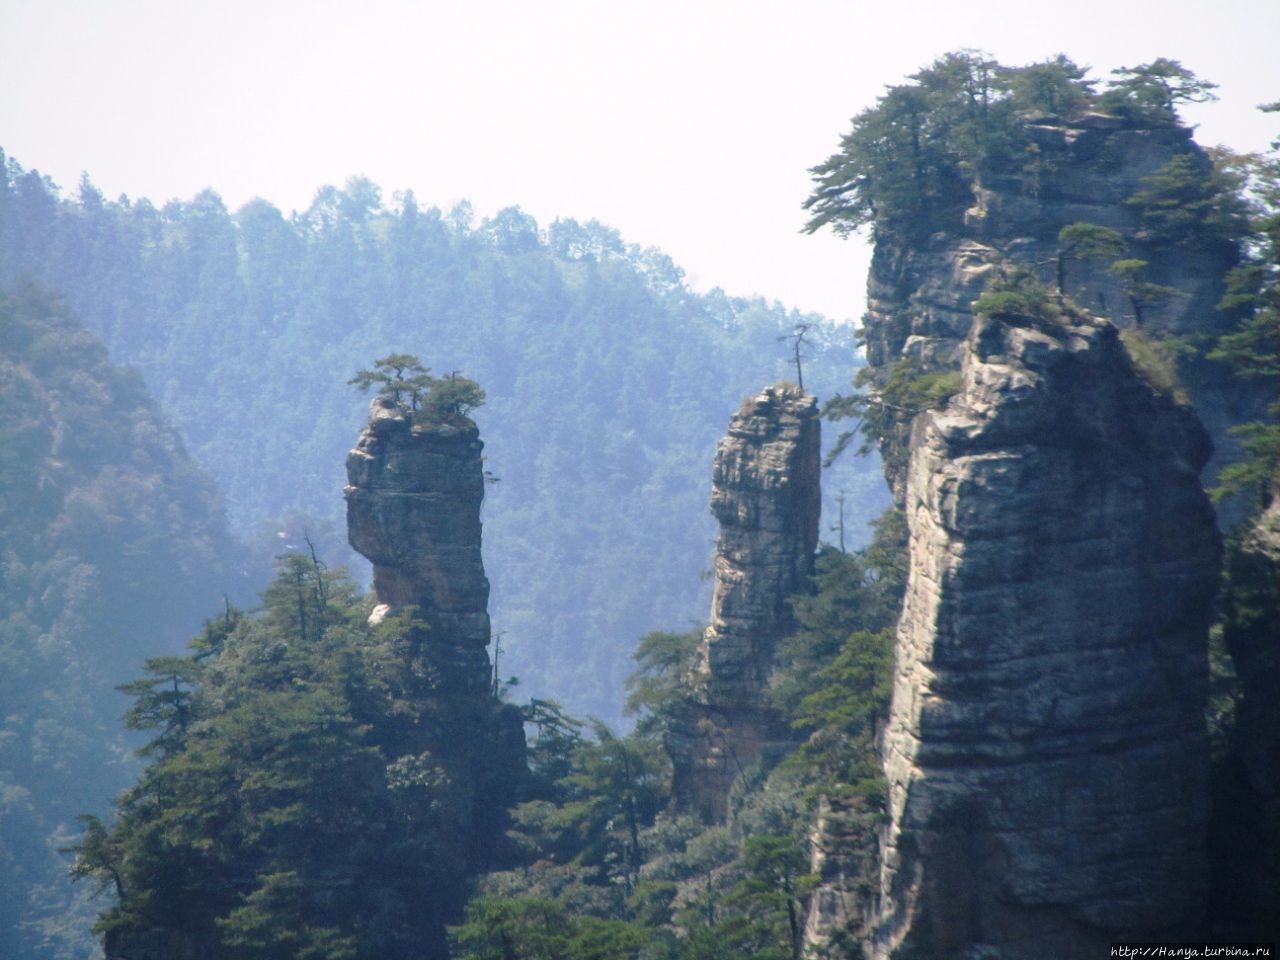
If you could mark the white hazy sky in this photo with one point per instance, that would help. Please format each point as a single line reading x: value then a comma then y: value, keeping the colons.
x: 686, y: 125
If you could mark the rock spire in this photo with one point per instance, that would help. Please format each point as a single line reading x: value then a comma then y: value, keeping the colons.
x: 413, y: 509
x: 766, y: 494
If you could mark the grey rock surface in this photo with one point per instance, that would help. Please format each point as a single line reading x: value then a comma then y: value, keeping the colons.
x: 766, y: 494
x: 1046, y: 754
x: 920, y: 292
x: 413, y: 509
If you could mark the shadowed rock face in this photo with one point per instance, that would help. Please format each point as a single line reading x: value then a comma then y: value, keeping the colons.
x: 766, y: 494
x: 1247, y: 819
x: 1046, y: 753
x: 413, y: 509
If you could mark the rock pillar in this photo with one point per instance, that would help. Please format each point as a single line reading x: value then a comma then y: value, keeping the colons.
x: 766, y: 494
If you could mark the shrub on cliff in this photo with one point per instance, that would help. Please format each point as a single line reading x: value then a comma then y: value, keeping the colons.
x: 909, y: 163
x: 401, y: 378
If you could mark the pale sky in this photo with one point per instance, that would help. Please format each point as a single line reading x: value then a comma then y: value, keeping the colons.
x: 689, y: 126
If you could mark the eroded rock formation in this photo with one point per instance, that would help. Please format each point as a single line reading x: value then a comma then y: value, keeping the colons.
x: 1046, y: 754
x: 413, y: 509
x: 766, y: 494
x: 920, y: 290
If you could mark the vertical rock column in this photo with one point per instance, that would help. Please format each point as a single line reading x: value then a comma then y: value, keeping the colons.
x: 413, y: 509
x: 766, y: 494
x: 1046, y: 753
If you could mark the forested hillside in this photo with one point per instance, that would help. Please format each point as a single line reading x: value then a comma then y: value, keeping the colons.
x: 608, y: 382
x: 114, y: 547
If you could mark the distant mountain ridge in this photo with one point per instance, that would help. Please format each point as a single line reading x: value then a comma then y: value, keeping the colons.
x: 608, y: 384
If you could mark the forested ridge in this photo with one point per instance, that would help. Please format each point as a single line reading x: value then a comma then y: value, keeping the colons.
x: 608, y: 383
x: 114, y: 546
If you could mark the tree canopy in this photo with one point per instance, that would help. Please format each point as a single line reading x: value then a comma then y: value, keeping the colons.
x: 908, y: 162
x: 402, y: 378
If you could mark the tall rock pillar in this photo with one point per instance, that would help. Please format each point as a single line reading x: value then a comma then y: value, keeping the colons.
x: 766, y: 494
x: 1046, y: 753
x: 413, y: 509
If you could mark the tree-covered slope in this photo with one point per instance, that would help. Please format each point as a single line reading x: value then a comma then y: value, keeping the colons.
x: 113, y: 546
x: 608, y: 382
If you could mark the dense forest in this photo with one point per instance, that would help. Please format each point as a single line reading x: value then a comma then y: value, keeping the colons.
x: 115, y: 546
x: 608, y: 383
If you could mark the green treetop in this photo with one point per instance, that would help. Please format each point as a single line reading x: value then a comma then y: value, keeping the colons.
x: 402, y: 378
x: 914, y: 156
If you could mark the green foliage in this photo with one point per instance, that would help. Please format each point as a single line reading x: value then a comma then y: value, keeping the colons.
x: 1141, y: 293
x: 1152, y: 91
x: 908, y: 164
x: 658, y: 684
x: 834, y: 673
x: 1252, y: 350
x: 908, y: 154
x: 618, y: 785
x: 1190, y: 203
x: 894, y: 396
x: 1255, y: 474
x: 450, y: 399
x: 1017, y: 294
x: 111, y: 542
x: 298, y: 798
x: 557, y: 736
x: 401, y: 378
x: 1155, y: 359
x: 1055, y: 87
x: 541, y: 929
x: 1081, y: 241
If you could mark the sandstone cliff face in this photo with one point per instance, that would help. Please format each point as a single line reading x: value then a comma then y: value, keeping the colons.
x: 1046, y: 753
x: 919, y: 293
x: 766, y: 494
x: 413, y: 509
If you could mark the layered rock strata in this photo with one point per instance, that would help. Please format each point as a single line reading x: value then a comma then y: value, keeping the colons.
x: 1046, y: 754
x: 413, y: 509
x: 766, y: 494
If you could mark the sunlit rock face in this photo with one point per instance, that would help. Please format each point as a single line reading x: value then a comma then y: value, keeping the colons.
x: 766, y: 494
x: 413, y: 509
x: 1046, y: 754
